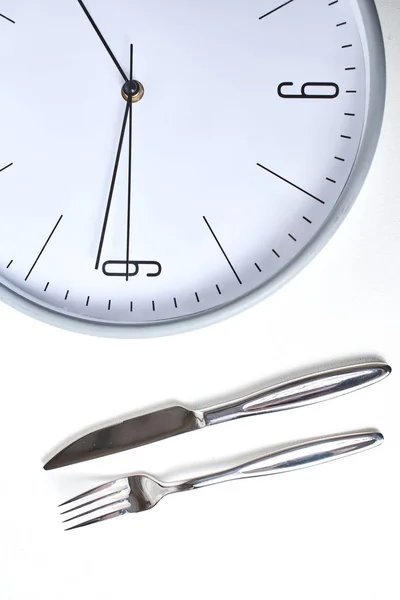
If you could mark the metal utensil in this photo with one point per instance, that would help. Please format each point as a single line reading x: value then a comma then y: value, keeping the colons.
x: 141, y: 492
x: 175, y: 420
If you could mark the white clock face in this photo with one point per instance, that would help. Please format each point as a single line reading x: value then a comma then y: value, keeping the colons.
x: 202, y: 191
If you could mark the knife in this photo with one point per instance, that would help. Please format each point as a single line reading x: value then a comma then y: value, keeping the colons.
x: 168, y: 422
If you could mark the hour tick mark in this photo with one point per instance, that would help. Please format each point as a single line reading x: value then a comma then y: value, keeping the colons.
x: 154, y: 306
x: 197, y: 297
x: 87, y: 301
x: 276, y: 254
x: 218, y: 290
x: 131, y: 306
x: 175, y: 303
x: 66, y: 295
x: 44, y: 248
x: 292, y: 237
x: 7, y: 18
x: 109, y: 305
x: 9, y: 264
x: 222, y: 250
x: 47, y: 286
x: 290, y: 183
x: 275, y: 9
x: 331, y: 180
x: 7, y: 167
x: 307, y: 220
x: 259, y: 269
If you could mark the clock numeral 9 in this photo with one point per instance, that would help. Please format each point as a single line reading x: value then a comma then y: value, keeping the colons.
x: 310, y: 90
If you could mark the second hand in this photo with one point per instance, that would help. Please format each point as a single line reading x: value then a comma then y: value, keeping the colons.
x: 128, y: 217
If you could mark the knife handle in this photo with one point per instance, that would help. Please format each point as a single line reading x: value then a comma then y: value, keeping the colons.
x: 306, y: 454
x: 300, y: 392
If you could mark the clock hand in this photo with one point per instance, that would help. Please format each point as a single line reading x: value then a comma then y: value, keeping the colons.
x: 114, y: 177
x: 128, y: 217
x: 107, y: 47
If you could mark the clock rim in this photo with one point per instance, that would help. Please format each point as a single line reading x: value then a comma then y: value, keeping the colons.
x: 366, y: 153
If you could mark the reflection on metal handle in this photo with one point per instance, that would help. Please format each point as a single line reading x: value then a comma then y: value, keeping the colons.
x: 292, y: 458
x: 300, y: 392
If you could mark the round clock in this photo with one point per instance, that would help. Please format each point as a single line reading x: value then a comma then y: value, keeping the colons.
x: 167, y: 164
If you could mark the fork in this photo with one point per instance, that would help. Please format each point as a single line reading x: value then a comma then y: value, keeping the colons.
x: 137, y: 493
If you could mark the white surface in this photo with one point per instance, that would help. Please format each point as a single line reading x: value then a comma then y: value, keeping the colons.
x: 327, y: 532
x: 210, y: 113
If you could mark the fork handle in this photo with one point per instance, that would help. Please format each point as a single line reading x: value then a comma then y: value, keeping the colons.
x: 300, y: 392
x: 292, y: 458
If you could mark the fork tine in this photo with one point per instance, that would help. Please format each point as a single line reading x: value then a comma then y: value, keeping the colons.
x: 124, y: 501
x: 97, y: 499
x: 100, y: 488
x: 98, y: 519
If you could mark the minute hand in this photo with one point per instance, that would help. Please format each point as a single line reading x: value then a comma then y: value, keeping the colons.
x: 107, y: 47
x: 114, y: 177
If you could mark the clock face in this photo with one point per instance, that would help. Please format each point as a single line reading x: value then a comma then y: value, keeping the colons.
x: 165, y: 160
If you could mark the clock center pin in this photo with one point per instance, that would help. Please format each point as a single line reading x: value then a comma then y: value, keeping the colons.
x: 133, y: 90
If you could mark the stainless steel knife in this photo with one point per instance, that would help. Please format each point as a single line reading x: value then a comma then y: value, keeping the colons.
x: 168, y: 422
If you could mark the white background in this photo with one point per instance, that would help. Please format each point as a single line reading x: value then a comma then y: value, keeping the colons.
x: 327, y: 532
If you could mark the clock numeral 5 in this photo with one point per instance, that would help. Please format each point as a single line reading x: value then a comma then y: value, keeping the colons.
x: 310, y: 90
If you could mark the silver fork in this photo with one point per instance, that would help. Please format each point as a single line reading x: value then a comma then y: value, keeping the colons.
x: 141, y: 492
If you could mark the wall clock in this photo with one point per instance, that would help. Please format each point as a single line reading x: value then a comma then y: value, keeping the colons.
x: 166, y: 164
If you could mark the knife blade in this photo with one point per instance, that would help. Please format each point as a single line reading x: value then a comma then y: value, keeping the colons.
x: 168, y: 422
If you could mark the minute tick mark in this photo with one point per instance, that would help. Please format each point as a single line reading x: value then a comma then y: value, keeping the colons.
x: 222, y: 250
